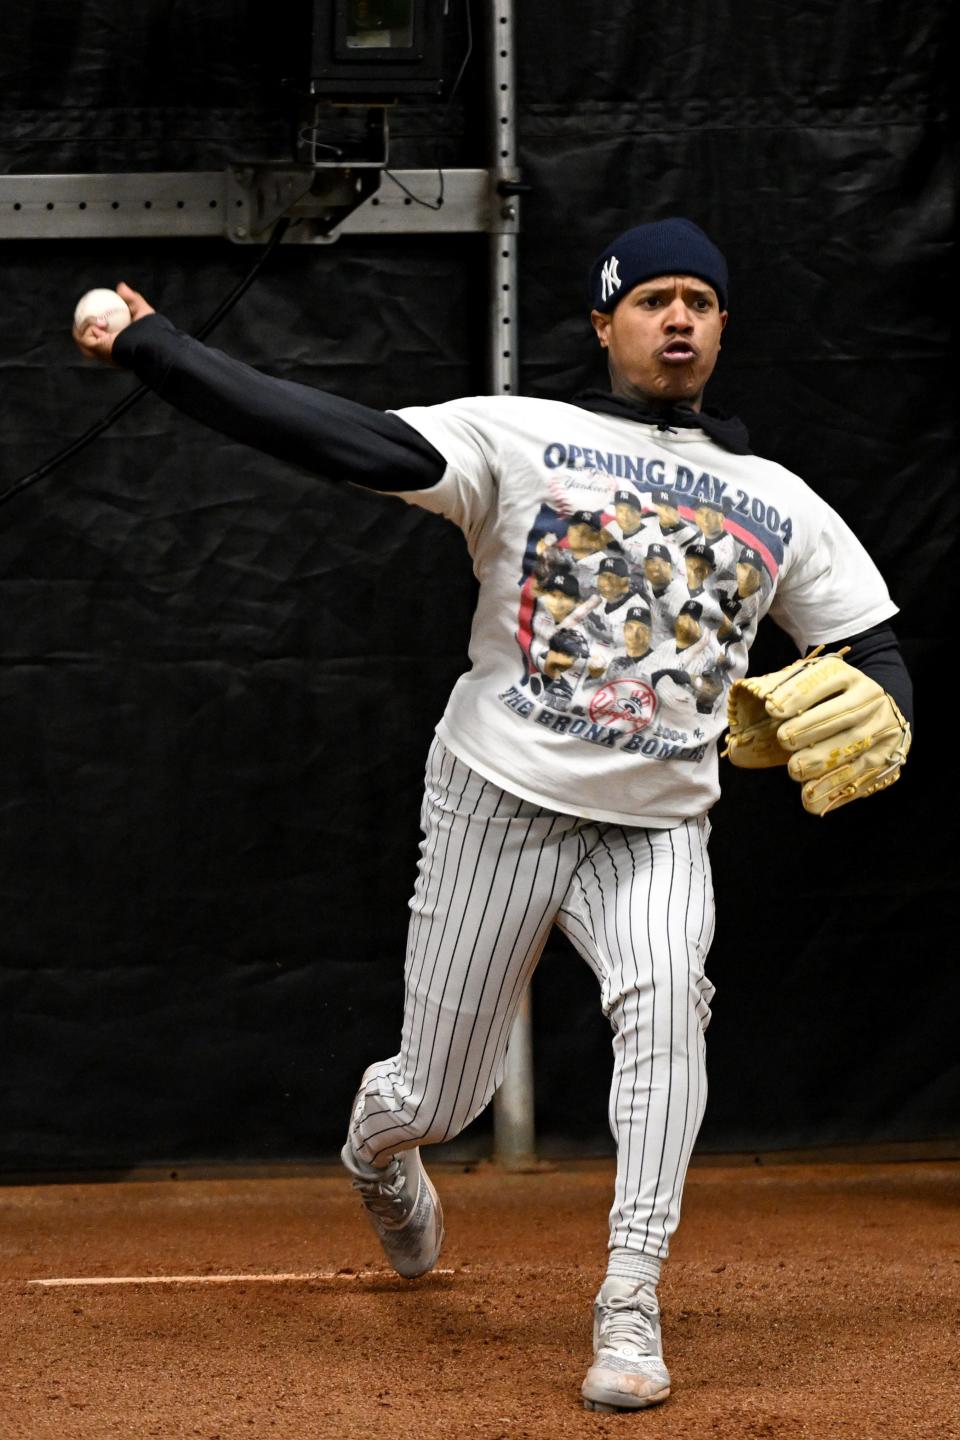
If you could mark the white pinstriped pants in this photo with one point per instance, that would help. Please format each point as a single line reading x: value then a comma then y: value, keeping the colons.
x: 495, y: 873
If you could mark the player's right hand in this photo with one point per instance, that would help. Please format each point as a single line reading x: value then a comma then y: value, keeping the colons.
x: 97, y: 343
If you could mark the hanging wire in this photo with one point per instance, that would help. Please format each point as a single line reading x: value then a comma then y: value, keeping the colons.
x: 279, y: 230
x: 128, y: 402
x: 418, y: 199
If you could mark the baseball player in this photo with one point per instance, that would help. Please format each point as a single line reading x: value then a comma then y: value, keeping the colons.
x: 749, y: 573
x: 557, y: 595
x: 673, y: 527
x: 637, y: 645
x: 743, y: 599
x: 634, y: 525
x: 631, y: 518
x: 709, y: 519
x: 593, y: 822
x: 664, y: 590
x: 587, y: 540
x: 616, y: 591
x: 677, y: 665
x: 700, y: 565
x: 692, y: 642
x: 568, y: 671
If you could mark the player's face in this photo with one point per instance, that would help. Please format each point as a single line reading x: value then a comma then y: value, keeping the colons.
x: 708, y: 688
x: 558, y: 603
x: 584, y: 540
x: 709, y: 521
x: 748, y: 580
x: 636, y: 637
x: 687, y: 630
x: 697, y: 571
x: 669, y: 514
x: 663, y: 339
x: 657, y: 570
x: 556, y: 663
x: 629, y: 518
x: 725, y: 629
x: 611, y: 585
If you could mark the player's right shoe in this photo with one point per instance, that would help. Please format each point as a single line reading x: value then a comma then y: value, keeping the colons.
x: 628, y: 1372
x: 403, y: 1209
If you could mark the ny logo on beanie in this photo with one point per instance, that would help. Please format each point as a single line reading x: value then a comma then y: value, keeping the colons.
x: 610, y: 277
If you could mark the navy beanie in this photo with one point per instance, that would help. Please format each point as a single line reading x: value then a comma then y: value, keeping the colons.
x: 662, y: 247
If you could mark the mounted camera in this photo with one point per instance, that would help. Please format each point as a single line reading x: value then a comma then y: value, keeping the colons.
x: 376, y: 49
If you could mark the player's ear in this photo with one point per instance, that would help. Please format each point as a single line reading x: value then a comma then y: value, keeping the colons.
x: 724, y: 317
x: 601, y: 324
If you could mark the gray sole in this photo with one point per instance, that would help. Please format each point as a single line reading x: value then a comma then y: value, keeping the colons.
x: 609, y: 1401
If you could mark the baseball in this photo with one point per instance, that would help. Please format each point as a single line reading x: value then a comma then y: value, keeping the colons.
x: 106, y: 307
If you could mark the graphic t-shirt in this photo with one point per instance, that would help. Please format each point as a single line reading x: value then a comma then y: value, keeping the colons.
x: 600, y: 663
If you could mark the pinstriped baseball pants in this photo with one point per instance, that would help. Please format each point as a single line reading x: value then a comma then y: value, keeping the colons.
x: 495, y: 873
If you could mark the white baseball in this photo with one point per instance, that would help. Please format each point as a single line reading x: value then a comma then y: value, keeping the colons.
x: 106, y: 307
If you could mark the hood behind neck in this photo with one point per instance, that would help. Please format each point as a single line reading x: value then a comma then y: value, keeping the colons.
x: 726, y: 430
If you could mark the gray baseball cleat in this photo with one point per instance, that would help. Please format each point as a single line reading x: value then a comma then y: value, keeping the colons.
x: 403, y: 1208
x: 628, y: 1372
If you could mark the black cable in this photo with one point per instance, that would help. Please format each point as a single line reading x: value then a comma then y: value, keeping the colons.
x: 127, y: 403
x: 417, y: 199
x: 467, y: 53
x: 209, y: 325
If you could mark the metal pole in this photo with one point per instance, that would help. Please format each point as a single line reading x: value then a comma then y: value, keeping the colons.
x: 514, y: 1132
x: 513, y: 1118
x: 505, y: 202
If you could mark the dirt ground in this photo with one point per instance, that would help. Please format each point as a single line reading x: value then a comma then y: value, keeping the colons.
x: 800, y: 1300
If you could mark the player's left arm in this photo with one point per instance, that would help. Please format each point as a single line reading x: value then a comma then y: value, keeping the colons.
x: 876, y: 652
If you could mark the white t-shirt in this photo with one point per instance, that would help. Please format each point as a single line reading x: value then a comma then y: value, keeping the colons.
x: 520, y: 469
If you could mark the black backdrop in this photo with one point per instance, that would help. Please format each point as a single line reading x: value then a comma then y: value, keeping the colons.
x: 218, y: 680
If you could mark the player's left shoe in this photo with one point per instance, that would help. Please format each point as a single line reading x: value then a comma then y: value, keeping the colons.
x: 403, y: 1209
x: 628, y: 1372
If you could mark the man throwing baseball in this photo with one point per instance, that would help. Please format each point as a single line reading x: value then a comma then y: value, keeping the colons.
x: 593, y: 817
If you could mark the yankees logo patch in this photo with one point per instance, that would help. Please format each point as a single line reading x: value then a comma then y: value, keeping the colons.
x: 610, y: 277
x: 624, y: 705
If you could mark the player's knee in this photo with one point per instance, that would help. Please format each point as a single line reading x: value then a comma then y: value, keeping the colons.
x: 631, y: 1008
x: 700, y: 994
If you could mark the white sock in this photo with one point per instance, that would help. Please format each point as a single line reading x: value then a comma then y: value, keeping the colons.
x: 633, y: 1265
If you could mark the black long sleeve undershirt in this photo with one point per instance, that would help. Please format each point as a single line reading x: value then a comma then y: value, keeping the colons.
x: 327, y: 435
x: 877, y: 653
x: 342, y: 441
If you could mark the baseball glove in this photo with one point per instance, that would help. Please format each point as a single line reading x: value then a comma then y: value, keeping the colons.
x: 838, y: 732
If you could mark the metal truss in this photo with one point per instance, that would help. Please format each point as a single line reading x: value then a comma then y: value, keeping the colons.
x: 242, y: 204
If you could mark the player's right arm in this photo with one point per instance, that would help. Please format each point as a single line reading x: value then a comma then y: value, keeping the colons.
x: 325, y: 434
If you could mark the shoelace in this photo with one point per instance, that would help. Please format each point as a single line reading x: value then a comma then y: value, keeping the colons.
x: 630, y: 1320
x: 383, y: 1198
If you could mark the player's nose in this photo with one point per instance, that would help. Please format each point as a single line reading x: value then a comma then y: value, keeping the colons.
x: 677, y: 316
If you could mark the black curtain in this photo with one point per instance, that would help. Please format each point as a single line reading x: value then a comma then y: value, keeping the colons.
x: 218, y: 678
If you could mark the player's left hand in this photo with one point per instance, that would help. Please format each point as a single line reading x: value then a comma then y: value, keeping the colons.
x: 96, y: 342
x: 839, y: 733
